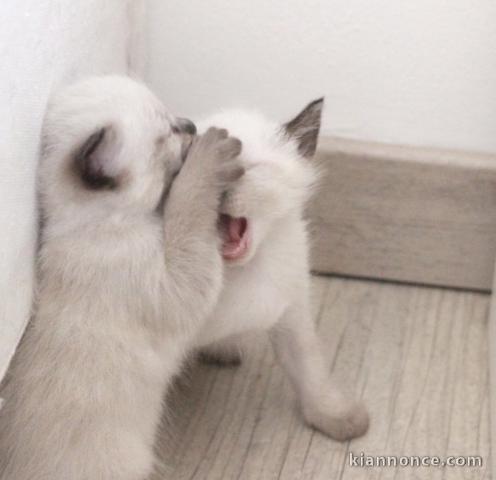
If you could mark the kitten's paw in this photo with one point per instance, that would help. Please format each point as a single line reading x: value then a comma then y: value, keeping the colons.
x: 224, y: 353
x: 343, y: 423
x: 214, y: 155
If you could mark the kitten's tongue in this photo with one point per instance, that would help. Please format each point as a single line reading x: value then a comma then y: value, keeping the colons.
x: 236, y: 228
x: 235, y: 241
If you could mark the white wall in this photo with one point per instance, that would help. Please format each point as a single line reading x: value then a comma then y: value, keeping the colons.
x: 419, y: 72
x: 43, y: 44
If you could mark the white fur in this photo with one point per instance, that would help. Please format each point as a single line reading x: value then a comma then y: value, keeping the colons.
x: 121, y: 286
x: 269, y: 288
x: 124, y: 290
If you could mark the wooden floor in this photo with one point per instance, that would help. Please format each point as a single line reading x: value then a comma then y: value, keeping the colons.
x: 417, y: 356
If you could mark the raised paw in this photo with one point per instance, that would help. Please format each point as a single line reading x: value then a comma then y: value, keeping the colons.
x: 344, y: 422
x: 214, y: 156
x: 230, y: 167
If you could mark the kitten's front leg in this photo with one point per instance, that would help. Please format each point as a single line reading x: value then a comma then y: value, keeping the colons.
x: 191, y: 240
x: 323, y: 404
x: 227, y: 352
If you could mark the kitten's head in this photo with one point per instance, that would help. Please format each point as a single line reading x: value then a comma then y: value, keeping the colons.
x: 278, y: 178
x: 108, y: 146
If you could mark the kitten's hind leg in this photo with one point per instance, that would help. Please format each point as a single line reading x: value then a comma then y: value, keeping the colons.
x: 227, y: 352
x: 323, y: 404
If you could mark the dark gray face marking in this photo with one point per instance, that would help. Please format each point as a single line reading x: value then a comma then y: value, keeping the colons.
x: 183, y: 125
x: 305, y: 127
x: 89, y: 162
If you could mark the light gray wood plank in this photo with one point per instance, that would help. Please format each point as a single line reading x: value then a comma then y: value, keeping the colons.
x: 402, y: 213
x: 417, y: 356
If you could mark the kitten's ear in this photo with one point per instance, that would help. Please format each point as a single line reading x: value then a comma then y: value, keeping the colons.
x: 305, y: 127
x: 96, y: 160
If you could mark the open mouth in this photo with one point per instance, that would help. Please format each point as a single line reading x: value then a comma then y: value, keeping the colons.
x: 235, y: 237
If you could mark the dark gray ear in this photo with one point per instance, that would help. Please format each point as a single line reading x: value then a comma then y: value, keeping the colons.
x: 95, y: 160
x: 305, y: 127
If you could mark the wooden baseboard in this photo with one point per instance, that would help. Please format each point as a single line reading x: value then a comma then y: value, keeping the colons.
x: 492, y: 373
x: 405, y: 214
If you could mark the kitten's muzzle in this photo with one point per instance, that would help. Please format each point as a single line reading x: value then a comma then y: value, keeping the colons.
x: 183, y: 125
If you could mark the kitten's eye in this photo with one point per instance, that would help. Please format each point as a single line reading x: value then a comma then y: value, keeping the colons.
x: 175, y: 129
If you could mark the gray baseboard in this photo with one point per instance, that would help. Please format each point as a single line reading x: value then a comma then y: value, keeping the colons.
x: 405, y: 214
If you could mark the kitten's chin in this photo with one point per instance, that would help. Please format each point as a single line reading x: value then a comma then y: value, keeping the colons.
x: 235, y: 232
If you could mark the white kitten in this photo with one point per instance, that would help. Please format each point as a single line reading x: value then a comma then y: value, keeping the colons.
x: 266, y: 248
x: 121, y: 288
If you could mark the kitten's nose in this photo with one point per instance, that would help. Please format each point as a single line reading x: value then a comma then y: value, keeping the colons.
x: 186, y: 126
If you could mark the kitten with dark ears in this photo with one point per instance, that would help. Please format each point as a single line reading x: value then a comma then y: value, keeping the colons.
x: 122, y: 287
x: 265, y: 247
